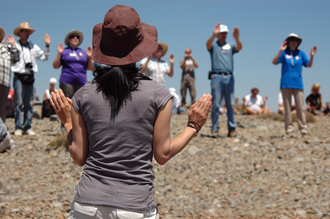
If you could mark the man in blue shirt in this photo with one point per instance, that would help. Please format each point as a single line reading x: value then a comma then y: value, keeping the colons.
x: 222, y: 78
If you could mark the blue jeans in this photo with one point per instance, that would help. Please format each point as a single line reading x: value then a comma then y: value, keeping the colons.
x: 23, y: 94
x: 222, y: 85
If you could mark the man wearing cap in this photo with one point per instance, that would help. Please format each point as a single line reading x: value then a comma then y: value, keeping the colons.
x: 74, y: 61
x: 24, y: 71
x: 222, y: 78
x: 8, y: 56
x: 156, y: 68
x: 254, y: 104
x: 188, y: 65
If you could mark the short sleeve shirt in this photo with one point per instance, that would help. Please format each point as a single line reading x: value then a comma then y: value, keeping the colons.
x: 118, y: 170
x: 292, y: 62
x: 156, y: 69
x: 254, y: 103
x: 74, y: 65
x: 222, y: 57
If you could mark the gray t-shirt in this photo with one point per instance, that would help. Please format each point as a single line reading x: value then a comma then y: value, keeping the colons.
x: 118, y: 171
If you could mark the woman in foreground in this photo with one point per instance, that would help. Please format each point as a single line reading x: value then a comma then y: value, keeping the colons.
x: 119, y: 121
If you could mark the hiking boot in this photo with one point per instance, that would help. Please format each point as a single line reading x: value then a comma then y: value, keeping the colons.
x: 30, y: 132
x: 18, y: 132
x: 232, y: 133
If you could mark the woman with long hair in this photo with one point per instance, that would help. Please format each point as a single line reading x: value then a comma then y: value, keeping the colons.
x: 119, y: 121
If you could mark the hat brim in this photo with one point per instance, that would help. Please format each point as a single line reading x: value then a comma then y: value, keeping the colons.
x: 165, y: 47
x: 2, y: 34
x: 79, y: 33
x: 18, y: 29
x: 147, y: 46
x: 298, y: 38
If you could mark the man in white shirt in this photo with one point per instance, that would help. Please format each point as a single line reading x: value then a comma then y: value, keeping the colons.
x: 23, y: 81
x: 254, y: 104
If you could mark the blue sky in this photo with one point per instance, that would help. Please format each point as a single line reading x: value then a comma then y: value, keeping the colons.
x: 264, y: 24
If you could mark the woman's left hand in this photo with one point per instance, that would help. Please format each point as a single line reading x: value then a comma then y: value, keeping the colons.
x: 62, y: 106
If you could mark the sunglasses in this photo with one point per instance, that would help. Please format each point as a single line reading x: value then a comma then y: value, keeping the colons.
x: 159, y: 48
x: 294, y: 40
x: 73, y: 36
x: 224, y: 33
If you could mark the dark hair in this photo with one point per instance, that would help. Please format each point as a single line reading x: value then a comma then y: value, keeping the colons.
x: 116, y: 84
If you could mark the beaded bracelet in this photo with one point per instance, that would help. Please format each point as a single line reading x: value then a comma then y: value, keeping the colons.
x: 191, y: 126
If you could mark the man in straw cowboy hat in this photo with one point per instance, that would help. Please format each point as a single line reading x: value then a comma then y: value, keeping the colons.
x: 156, y: 68
x: 8, y: 56
x: 222, y: 78
x: 24, y: 71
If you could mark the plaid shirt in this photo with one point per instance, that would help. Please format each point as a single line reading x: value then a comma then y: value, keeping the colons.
x: 156, y: 69
x: 7, y: 57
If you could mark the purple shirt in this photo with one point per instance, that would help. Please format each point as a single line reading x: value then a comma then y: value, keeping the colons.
x: 74, y: 65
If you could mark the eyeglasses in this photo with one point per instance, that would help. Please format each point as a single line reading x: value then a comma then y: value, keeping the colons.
x: 159, y: 48
x: 294, y: 40
x: 73, y: 36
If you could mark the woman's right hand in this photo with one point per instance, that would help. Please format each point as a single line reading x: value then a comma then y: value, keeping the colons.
x: 199, y: 111
x: 60, y: 48
x: 284, y: 45
x: 62, y: 105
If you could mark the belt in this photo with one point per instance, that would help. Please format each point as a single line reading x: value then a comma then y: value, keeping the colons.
x: 222, y: 73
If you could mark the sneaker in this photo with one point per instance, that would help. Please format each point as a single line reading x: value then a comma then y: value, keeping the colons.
x: 30, y: 132
x: 18, y: 132
x: 232, y: 133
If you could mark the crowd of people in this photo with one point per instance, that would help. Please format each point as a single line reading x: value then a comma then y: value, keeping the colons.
x: 134, y: 104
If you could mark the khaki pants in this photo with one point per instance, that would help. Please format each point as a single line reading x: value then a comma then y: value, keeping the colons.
x: 84, y: 211
x: 299, y: 101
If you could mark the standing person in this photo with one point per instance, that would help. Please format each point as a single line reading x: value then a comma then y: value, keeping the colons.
x: 222, y: 78
x: 74, y: 62
x: 8, y: 56
x: 156, y: 68
x: 315, y: 103
x: 24, y: 71
x: 116, y: 130
x: 188, y: 65
x: 292, y: 60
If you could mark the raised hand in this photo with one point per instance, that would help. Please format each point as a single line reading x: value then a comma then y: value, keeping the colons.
x: 199, y: 111
x: 216, y: 29
x: 171, y: 58
x: 62, y: 105
x: 236, y: 33
x: 47, y: 39
x: 313, y: 50
x: 265, y: 99
x: 284, y: 45
x: 89, y: 52
x: 60, y: 48
x: 10, y: 40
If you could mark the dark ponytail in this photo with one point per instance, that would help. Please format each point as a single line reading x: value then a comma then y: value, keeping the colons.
x: 116, y: 84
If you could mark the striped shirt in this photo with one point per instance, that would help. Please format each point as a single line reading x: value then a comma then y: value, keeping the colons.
x: 156, y: 69
x: 8, y: 56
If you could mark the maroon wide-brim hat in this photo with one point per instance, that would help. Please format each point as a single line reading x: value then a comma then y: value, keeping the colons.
x: 122, y: 38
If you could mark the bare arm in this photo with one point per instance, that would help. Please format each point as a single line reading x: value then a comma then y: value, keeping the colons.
x: 313, y: 51
x: 283, y: 47
x: 89, y: 61
x: 239, y: 45
x: 74, y: 126
x: 216, y: 30
x: 45, y: 96
x: 144, y: 65
x: 57, y: 60
x: 164, y: 147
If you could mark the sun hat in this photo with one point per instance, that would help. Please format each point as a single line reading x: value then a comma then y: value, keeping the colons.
x: 80, y: 34
x: 122, y: 38
x: 293, y: 35
x: 316, y: 85
x: 2, y: 34
x: 165, y: 47
x: 23, y: 26
x: 53, y: 80
x: 223, y: 28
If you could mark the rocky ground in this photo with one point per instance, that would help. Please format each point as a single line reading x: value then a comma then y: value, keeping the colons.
x: 262, y: 173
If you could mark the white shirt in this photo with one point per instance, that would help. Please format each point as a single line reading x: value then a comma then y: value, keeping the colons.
x: 156, y: 69
x: 29, y: 55
x: 280, y: 99
x: 254, y: 103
